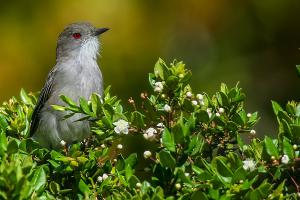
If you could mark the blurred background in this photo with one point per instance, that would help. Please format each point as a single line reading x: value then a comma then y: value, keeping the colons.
x: 252, y: 41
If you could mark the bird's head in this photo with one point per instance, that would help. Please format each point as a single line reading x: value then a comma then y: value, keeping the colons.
x: 79, y: 39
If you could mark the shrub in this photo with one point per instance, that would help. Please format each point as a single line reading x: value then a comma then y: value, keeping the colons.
x: 203, y: 147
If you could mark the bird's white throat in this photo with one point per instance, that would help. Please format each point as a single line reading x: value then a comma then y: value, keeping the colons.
x: 89, y: 51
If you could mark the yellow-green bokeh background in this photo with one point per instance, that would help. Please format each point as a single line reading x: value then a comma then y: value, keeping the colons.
x: 252, y: 41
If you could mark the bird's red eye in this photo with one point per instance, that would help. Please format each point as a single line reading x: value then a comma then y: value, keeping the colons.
x: 76, y: 35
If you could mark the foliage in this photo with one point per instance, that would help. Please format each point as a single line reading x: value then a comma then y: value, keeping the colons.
x: 204, y: 147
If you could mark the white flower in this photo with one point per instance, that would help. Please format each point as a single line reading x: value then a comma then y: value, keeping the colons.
x: 157, y: 89
x: 147, y: 154
x: 252, y: 132
x: 189, y: 94
x: 177, y: 186
x: 221, y: 110
x: 167, y: 108
x: 187, y: 174
x: 285, y: 159
x: 104, y: 176
x: 199, y: 97
x: 249, y: 114
x: 120, y: 146
x: 138, y: 185
x: 150, y: 133
x: 249, y: 164
x: 195, y: 103
x: 218, y: 114
x: 99, y: 179
x: 208, y: 110
x: 160, y: 125
x: 62, y: 143
x: 209, y: 115
x: 158, y: 86
x: 121, y: 126
x: 102, y: 146
x: 295, y: 147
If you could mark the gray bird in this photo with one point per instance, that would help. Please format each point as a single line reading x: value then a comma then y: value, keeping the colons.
x: 76, y: 74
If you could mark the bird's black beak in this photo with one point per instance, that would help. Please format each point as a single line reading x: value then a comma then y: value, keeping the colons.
x: 99, y: 31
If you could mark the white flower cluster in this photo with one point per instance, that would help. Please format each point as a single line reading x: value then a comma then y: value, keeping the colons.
x: 63, y: 143
x: 160, y: 126
x: 167, y: 108
x: 220, y: 111
x: 147, y: 154
x: 188, y: 94
x: 285, y: 159
x: 158, y: 87
x: 200, y: 98
x: 121, y: 126
x: 208, y: 110
x: 249, y: 164
x: 102, y: 178
x: 150, y: 133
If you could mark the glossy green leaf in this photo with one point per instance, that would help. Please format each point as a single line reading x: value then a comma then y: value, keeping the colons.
x: 270, y: 147
x: 288, y: 148
x: 166, y: 159
x: 168, y: 140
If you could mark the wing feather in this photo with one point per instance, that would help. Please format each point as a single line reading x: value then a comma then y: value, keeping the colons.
x: 44, y: 96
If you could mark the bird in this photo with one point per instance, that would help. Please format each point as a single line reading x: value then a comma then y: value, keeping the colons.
x: 76, y: 75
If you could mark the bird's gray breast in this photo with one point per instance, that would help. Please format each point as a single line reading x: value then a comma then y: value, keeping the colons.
x: 74, y: 80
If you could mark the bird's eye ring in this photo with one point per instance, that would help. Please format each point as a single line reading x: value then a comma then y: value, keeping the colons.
x: 76, y: 35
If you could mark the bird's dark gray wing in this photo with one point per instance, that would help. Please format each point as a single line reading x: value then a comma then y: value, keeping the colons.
x: 44, y: 96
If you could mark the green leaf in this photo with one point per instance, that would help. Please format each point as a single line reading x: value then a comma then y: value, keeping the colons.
x: 288, y: 148
x: 172, y: 82
x: 59, y: 108
x: 178, y: 133
x: 96, y: 103
x: 83, y: 187
x: 68, y: 101
x: 24, y: 97
x: 85, y: 107
x: 158, y: 69
x: 133, y: 180
x: 221, y: 167
x: 3, y: 143
x: 12, y: 147
x: 54, y: 187
x: 166, y: 159
x: 161, y: 70
x: 168, y: 140
x: 276, y: 107
x: 295, y: 130
x: 3, y: 122
x: 120, y: 165
x: 39, y: 179
x: 199, y: 195
x: 131, y: 160
x: 270, y: 147
x: 239, y: 174
x: 202, y: 116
